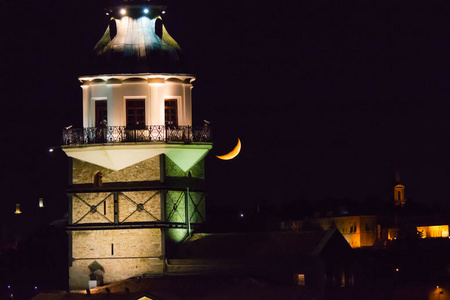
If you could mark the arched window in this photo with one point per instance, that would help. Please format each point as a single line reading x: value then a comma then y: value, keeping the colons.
x: 96, y: 275
x: 158, y: 28
x: 112, y: 28
x: 98, y: 179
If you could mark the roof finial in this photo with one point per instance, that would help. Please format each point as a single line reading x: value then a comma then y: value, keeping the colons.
x: 397, y: 176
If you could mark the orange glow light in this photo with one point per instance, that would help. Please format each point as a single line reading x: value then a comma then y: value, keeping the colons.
x: 437, y: 231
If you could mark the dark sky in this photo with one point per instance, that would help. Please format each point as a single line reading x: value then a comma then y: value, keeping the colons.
x: 329, y: 98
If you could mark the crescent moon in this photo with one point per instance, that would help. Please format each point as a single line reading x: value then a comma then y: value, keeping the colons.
x: 233, y: 152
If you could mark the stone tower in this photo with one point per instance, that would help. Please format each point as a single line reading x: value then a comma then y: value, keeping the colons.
x: 399, y: 192
x: 137, y: 165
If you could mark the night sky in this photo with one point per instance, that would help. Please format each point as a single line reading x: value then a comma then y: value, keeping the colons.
x: 329, y: 98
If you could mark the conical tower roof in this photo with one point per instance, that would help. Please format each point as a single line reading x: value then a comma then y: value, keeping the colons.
x: 136, y: 41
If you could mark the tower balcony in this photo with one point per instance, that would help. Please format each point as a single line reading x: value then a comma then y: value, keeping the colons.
x: 149, y: 133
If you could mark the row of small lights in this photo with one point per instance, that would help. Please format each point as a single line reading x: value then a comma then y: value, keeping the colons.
x: 123, y: 11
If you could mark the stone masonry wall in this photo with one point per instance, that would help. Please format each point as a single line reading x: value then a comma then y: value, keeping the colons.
x: 368, y: 230
x: 197, y: 171
x: 82, y: 211
x: 122, y: 253
x: 142, y: 206
x: 115, y: 270
x: 197, y: 207
x: 175, y: 206
x: 147, y: 170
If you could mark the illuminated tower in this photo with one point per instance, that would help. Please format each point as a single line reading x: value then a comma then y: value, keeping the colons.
x: 399, y: 192
x: 137, y: 165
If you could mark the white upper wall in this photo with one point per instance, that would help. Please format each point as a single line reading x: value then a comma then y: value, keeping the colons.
x: 155, y: 89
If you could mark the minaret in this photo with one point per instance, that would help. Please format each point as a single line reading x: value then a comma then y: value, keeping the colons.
x: 399, y: 192
x: 137, y: 165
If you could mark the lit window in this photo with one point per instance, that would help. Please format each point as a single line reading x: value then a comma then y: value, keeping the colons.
x: 343, y: 279
x: 135, y: 109
x: 300, y: 279
x: 438, y: 231
x: 171, y: 112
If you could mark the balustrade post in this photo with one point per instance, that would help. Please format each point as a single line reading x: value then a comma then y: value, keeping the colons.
x: 188, y: 134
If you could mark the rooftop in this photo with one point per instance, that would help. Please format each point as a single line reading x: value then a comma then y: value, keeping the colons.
x: 183, y: 287
x: 136, y: 41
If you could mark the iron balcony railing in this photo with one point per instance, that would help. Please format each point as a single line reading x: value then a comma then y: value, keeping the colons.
x: 150, y: 133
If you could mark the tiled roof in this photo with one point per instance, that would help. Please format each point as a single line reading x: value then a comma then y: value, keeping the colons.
x: 254, y: 245
x: 184, y: 287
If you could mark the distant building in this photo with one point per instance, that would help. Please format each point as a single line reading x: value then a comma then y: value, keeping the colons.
x: 399, y: 191
x: 374, y: 229
x: 399, y: 195
x: 434, y: 231
x: 359, y: 231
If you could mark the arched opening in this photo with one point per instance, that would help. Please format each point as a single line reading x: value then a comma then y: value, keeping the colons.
x: 159, y: 28
x: 112, y: 28
x: 98, y: 179
x: 96, y: 275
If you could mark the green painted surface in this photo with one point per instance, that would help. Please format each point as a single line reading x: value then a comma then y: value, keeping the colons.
x: 175, y: 206
x: 172, y: 169
x: 196, y: 207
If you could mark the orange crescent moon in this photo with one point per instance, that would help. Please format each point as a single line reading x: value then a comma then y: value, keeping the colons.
x: 233, y: 152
